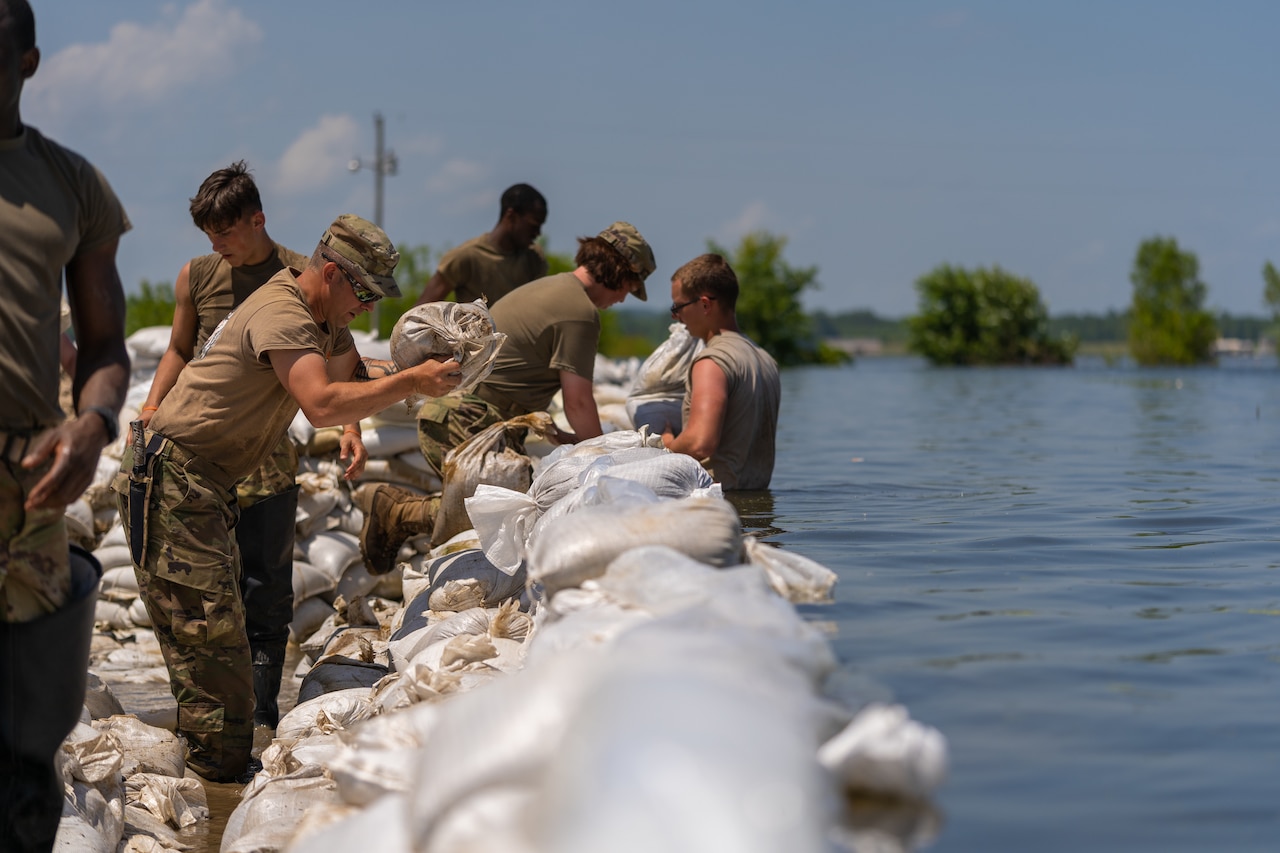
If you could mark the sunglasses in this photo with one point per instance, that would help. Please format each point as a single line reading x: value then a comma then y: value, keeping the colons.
x: 677, y: 307
x: 364, y: 294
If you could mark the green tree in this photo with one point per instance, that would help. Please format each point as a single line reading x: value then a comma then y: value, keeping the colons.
x: 1168, y: 323
x: 152, y: 305
x: 1271, y: 295
x: 769, y: 310
x: 986, y: 316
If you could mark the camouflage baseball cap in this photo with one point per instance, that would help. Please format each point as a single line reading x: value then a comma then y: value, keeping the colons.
x: 368, y: 249
x: 624, y: 237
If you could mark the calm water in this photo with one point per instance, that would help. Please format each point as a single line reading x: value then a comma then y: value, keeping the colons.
x: 1072, y: 573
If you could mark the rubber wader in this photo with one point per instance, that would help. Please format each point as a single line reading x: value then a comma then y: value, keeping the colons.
x: 43, y: 667
x: 264, y: 535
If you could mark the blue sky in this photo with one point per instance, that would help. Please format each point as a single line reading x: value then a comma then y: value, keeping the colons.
x: 882, y: 138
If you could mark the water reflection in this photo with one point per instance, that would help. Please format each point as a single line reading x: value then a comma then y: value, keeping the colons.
x: 887, y: 825
x: 755, y: 508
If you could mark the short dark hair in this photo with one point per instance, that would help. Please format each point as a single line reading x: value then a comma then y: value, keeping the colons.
x: 225, y: 197
x: 522, y: 198
x: 21, y: 21
x: 606, y: 264
x: 709, y: 275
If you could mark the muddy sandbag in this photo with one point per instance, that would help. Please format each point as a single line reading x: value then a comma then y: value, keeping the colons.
x: 464, y: 332
x: 581, y: 545
x: 494, y: 456
x: 144, y: 748
x: 99, y: 701
x: 179, y: 802
x: 269, y: 819
x: 468, y: 579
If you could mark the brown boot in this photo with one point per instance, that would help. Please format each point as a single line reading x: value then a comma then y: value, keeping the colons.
x: 394, y: 515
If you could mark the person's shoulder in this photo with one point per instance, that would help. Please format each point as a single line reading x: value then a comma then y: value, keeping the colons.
x: 202, y: 267
x: 476, y: 245
x: 290, y: 258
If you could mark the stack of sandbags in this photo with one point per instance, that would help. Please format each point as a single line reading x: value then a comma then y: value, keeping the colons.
x: 125, y: 781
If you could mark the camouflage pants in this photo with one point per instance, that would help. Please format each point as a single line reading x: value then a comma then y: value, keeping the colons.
x: 446, y: 422
x: 189, y: 582
x: 35, y: 571
x: 273, y: 477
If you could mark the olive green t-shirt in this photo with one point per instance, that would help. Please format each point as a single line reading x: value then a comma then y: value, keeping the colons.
x: 228, y: 407
x: 744, y: 457
x: 53, y: 205
x: 476, y: 269
x: 216, y: 287
x: 551, y: 325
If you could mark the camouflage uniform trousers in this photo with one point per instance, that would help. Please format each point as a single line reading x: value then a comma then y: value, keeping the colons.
x: 35, y: 569
x: 265, y: 586
x: 189, y: 581
x: 446, y: 422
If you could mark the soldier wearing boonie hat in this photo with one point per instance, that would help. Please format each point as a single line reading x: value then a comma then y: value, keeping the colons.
x: 367, y: 250
x: 287, y: 347
x: 624, y: 237
x: 553, y: 332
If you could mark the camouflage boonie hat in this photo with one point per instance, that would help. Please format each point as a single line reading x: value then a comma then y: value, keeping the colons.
x: 368, y: 249
x: 624, y: 237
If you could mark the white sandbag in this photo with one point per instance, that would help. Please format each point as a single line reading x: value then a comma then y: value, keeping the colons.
x: 681, y: 738
x: 382, y: 827
x: 268, y: 819
x: 179, y: 802
x: 148, y: 344
x: 115, y: 534
x: 503, y: 519
x: 111, y: 616
x: 364, y: 775
x: 884, y: 751
x: 309, y: 581
x: 308, y: 615
x: 138, y: 613
x: 78, y: 835
x: 581, y: 545
x: 615, y: 416
x: 115, y: 557
x: 472, y: 570
x: 325, y: 714
x: 463, y: 331
x: 331, y: 552
x: 794, y: 576
x: 99, y: 701
x: 119, y: 583
x: 387, y: 440
x: 143, y: 748
x: 666, y: 370
x: 356, y: 582
x: 418, y: 631
x: 301, y: 431
x: 489, y: 457
x: 80, y: 526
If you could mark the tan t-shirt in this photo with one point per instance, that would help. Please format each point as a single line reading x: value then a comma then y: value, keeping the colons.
x: 217, y: 287
x: 228, y: 407
x: 744, y: 457
x: 53, y: 205
x: 551, y: 325
x: 476, y: 269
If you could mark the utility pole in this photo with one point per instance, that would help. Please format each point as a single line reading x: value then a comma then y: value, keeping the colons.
x: 384, y: 163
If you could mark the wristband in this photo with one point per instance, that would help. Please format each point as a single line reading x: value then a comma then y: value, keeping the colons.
x: 352, y: 431
x: 150, y: 408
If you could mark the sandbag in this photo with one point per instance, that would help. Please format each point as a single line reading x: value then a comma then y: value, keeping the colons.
x: 464, y: 332
x: 581, y: 545
x: 331, y: 712
x: 489, y: 457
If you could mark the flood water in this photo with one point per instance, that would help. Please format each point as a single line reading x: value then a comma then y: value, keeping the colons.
x: 1072, y: 573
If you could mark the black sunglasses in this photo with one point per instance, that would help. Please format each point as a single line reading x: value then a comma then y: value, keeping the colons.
x: 677, y: 307
x: 364, y: 294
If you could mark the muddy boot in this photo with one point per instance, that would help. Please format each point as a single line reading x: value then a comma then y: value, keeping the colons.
x: 394, y: 515
x: 266, y: 688
x: 43, y: 666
